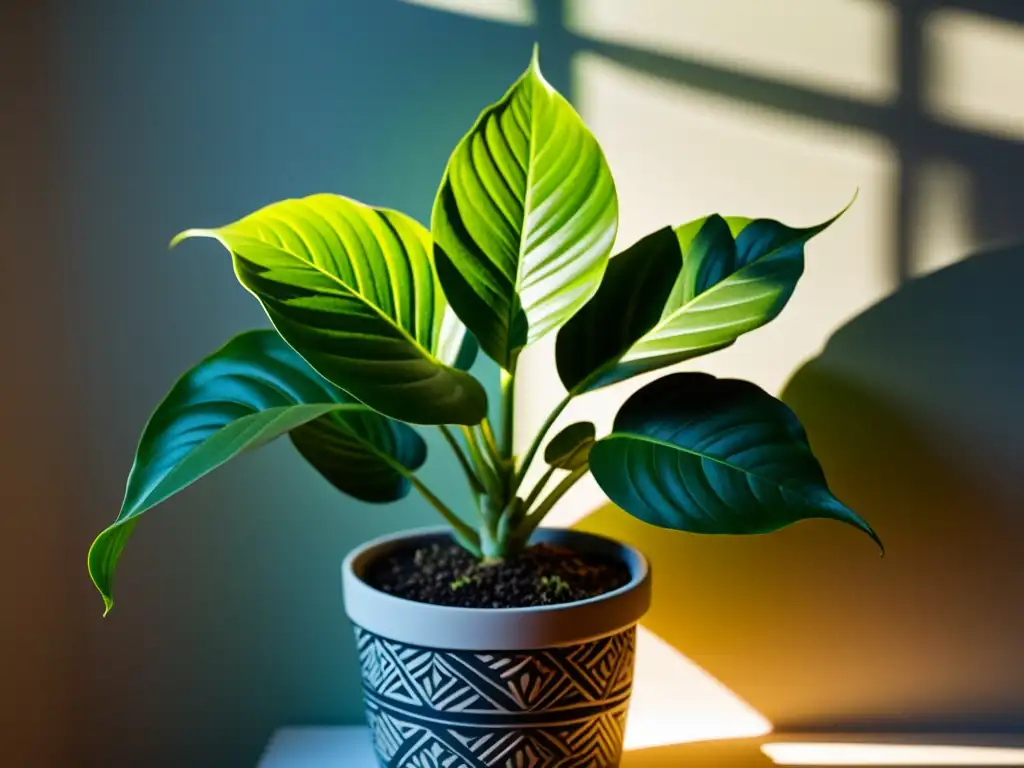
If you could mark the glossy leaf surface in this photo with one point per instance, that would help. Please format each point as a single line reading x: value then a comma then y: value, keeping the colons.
x: 249, y: 392
x: 570, y: 448
x: 354, y: 290
x: 722, y: 456
x: 678, y: 294
x: 524, y: 220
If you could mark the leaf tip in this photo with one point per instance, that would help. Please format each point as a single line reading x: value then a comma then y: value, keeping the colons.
x: 108, y: 605
x: 862, y: 524
x: 186, y: 234
x: 535, y: 58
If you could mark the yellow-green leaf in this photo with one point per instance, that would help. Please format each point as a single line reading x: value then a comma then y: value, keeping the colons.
x: 354, y: 290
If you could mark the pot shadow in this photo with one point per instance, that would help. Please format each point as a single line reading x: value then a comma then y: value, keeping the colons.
x: 914, y: 410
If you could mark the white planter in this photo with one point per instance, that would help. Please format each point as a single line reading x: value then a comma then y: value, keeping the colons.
x: 474, y: 687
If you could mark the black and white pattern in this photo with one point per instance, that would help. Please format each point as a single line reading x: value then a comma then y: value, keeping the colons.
x: 552, y: 708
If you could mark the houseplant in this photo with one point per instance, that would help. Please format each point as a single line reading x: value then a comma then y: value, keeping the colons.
x: 376, y: 322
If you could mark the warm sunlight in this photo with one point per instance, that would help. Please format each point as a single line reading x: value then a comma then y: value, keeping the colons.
x: 679, y: 702
x: 846, y: 47
x: 890, y: 754
x: 975, y: 69
x: 519, y: 12
x: 680, y: 149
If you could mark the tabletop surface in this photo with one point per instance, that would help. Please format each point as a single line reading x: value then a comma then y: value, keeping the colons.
x: 349, y: 747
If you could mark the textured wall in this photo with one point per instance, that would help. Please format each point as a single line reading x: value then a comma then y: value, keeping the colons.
x: 134, y: 120
x: 229, y: 620
x: 40, y: 476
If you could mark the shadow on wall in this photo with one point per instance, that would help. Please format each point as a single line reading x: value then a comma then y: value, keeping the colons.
x: 914, y: 410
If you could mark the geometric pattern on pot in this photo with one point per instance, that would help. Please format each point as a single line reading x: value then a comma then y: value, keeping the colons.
x: 564, y: 706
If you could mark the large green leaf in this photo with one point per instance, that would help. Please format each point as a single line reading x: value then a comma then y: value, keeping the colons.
x: 675, y: 295
x: 706, y: 455
x: 525, y: 218
x: 354, y: 290
x: 249, y: 392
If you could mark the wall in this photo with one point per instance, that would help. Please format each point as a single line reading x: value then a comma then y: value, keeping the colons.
x: 40, y: 478
x: 229, y: 621
x: 901, y: 351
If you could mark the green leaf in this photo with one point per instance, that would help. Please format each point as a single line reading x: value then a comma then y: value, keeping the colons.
x: 249, y: 392
x: 354, y: 290
x: 676, y: 295
x: 570, y: 448
x: 706, y: 455
x: 524, y: 220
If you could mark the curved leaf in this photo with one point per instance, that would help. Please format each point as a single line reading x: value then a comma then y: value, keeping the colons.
x: 353, y: 289
x: 570, y: 448
x: 706, y: 455
x: 525, y: 218
x: 667, y: 298
x: 249, y: 392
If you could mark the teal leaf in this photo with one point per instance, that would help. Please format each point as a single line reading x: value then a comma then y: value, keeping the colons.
x: 354, y: 290
x: 570, y: 448
x: 668, y: 299
x: 246, y: 394
x: 719, y: 456
x: 524, y: 219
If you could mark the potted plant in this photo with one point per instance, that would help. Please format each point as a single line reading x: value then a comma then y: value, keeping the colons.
x: 493, y: 641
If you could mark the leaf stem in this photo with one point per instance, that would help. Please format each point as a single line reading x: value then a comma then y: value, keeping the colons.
x: 538, y: 487
x: 537, y: 440
x: 471, y: 476
x: 508, y: 410
x: 466, y: 535
x: 533, y: 520
x: 490, y: 443
x: 485, y: 472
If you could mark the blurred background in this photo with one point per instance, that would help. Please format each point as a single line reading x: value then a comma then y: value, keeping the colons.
x: 123, y: 122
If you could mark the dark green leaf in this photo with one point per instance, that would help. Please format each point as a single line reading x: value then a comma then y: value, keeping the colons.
x: 706, y: 455
x: 669, y: 299
x: 570, y: 448
x: 354, y: 290
x: 524, y: 219
x: 249, y: 392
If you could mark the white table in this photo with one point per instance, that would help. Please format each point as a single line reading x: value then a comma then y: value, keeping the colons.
x: 320, y: 747
x: 349, y: 747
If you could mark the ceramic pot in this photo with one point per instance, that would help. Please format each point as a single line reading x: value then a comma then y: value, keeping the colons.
x: 534, y: 687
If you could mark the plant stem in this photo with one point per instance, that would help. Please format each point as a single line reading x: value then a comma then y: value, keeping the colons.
x: 467, y: 536
x: 474, y: 481
x: 485, y: 471
x: 490, y: 443
x: 533, y: 520
x: 537, y: 440
x: 538, y: 488
x: 508, y: 410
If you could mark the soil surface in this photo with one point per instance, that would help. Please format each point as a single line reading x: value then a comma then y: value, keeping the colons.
x: 446, y: 574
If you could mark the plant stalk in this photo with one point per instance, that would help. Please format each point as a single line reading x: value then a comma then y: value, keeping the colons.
x: 490, y: 443
x: 538, y: 487
x: 466, y: 535
x: 485, y: 471
x: 537, y: 440
x: 531, y: 521
x: 508, y: 411
x: 467, y: 468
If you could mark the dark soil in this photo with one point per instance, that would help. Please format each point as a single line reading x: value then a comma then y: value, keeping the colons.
x: 446, y: 574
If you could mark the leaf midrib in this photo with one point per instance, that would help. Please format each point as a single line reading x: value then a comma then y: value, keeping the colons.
x: 529, y: 78
x: 673, y: 446
x: 143, y: 505
x: 614, y: 361
x: 215, y: 234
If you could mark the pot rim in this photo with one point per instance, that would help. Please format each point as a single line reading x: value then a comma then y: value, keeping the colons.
x: 529, y: 627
